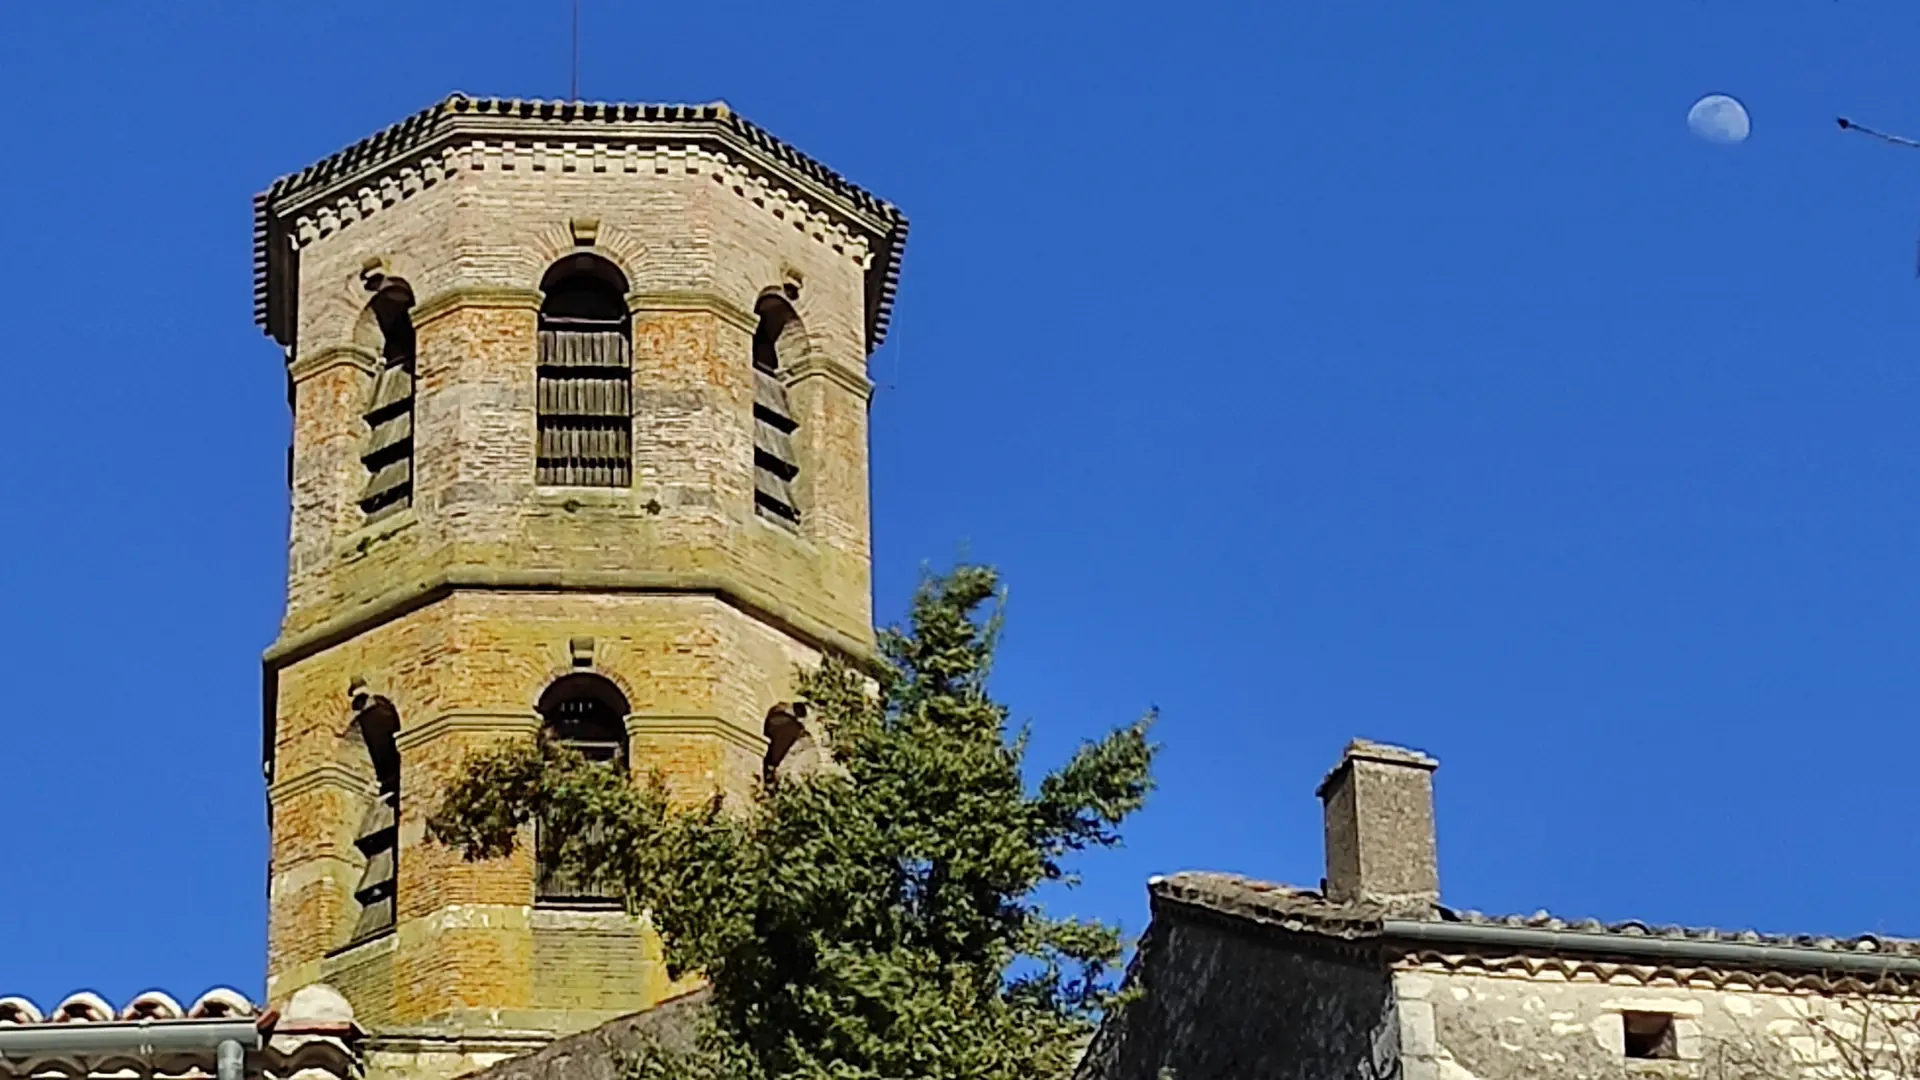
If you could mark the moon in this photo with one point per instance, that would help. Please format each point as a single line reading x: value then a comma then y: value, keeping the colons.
x: 1718, y: 118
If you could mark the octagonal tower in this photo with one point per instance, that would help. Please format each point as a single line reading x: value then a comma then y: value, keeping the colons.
x: 579, y: 403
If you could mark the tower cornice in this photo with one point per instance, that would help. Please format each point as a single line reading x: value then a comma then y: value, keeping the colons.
x: 463, y: 133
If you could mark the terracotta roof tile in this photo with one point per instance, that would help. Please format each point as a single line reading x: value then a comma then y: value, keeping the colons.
x: 87, y: 1007
x: 1304, y: 910
x: 302, y: 1048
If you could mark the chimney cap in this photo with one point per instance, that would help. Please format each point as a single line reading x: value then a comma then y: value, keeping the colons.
x: 1379, y: 752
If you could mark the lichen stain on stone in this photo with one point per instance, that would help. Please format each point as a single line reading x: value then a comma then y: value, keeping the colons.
x: 1451, y: 1069
x: 1781, y: 1029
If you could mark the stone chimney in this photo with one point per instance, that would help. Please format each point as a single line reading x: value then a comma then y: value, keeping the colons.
x: 1380, y: 839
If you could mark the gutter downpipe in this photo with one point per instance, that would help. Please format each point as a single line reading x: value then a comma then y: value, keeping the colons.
x: 228, y: 1039
x: 1744, y: 954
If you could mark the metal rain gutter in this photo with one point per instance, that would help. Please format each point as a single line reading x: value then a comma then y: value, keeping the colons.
x: 229, y: 1039
x: 1740, y: 953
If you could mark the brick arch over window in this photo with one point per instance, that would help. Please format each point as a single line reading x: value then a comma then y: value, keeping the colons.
x: 779, y: 340
x: 585, y: 375
x: 558, y: 239
x: 369, y: 750
x: 386, y: 326
x: 588, y: 713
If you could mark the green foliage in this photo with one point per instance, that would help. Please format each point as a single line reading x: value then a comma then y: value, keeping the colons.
x: 873, y: 919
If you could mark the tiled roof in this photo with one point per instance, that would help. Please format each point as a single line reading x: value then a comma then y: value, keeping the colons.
x: 87, y: 1007
x: 1301, y: 910
x: 1309, y: 911
x: 1542, y: 920
x: 310, y: 1038
x: 460, y: 113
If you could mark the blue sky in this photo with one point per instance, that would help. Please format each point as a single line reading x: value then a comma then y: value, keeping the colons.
x: 1312, y: 370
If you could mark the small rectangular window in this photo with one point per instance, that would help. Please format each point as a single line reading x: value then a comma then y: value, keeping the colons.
x: 1649, y: 1036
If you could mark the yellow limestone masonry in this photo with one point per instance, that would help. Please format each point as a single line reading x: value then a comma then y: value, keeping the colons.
x: 462, y: 608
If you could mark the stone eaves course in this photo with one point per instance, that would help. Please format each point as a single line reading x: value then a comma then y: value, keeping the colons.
x: 413, y: 153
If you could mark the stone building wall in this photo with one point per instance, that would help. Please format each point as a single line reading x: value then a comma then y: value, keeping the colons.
x: 1222, y: 1001
x: 1226, y: 998
x: 1568, y: 1022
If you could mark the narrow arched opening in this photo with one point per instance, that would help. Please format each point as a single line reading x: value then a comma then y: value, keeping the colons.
x: 371, y: 740
x: 388, y: 455
x: 790, y: 746
x: 585, y: 408
x: 588, y: 713
x: 777, y: 338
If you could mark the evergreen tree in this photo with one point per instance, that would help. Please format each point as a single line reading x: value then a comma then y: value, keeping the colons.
x: 876, y: 917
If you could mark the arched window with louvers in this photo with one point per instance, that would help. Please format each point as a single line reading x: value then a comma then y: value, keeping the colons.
x: 777, y: 342
x: 588, y: 713
x: 585, y: 376
x: 371, y: 753
x: 387, y: 325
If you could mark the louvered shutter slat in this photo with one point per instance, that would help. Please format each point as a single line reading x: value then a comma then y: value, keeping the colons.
x: 772, y: 487
x: 394, y: 385
x: 379, y: 816
x: 773, y: 442
x: 390, y: 476
x: 770, y: 395
x: 374, y: 918
x: 379, y: 867
x: 388, y: 434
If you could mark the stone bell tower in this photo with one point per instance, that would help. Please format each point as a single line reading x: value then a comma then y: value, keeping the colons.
x: 579, y: 404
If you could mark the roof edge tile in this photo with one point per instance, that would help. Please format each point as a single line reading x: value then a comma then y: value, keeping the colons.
x: 1310, y: 911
